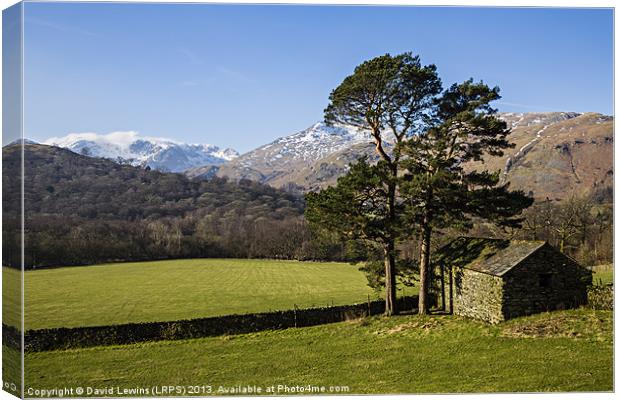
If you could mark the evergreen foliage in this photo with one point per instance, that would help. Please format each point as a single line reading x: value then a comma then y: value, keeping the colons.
x: 419, y: 184
x: 392, y: 97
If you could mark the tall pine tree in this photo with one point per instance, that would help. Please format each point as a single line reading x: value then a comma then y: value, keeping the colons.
x: 392, y: 97
x: 439, y: 192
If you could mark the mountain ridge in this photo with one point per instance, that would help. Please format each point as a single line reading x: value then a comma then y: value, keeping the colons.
x: 557, y: 154
x: 131, y: 148
x: 556, y: 175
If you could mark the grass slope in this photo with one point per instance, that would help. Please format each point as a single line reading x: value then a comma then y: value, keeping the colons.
x: 561, y: 351
x: 178, y: 289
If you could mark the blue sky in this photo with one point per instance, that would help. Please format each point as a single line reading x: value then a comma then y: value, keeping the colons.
x: 241, y: 76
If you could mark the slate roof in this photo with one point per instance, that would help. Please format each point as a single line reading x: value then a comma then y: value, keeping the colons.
x: 490, y: 256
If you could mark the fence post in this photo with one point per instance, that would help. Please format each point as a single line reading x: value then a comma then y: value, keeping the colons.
x: 443, y: 289
x: 295, y: 314
x: 451, y: 278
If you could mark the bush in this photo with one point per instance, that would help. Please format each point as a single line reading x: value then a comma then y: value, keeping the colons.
x: 601, y: 297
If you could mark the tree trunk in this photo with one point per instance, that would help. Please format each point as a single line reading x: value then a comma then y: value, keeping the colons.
x: 389, y: 249
x: 425, y: 250
x: 443, y: 289
x: 450, y: 280
x: 390, y: 281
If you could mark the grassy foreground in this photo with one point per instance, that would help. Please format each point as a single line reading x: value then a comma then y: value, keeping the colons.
x: 561, y: 351
x: 177, y: 289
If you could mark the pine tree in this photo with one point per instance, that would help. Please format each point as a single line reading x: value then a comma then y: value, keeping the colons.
x: 392, y: 97
x: 439, y: 192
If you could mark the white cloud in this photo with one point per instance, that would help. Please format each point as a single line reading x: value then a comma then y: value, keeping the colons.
x: 116, y: 138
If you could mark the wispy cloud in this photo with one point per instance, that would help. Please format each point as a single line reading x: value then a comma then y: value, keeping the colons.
x: 116, y: 138
x: 191, y: 56
x: 190, y: 83
x: 197, y: 82
x: 234, y: 75
x: 232, y: 78
x: 527, y: 106
x: 59, y: 27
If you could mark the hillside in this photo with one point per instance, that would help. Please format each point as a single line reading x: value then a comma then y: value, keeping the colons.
x: 60, y: 182
x: 556, y: 154
x: 82, y: 210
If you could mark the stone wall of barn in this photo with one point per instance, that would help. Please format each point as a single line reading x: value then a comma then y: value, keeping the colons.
x: 477, y: 295
x: 546, y: 280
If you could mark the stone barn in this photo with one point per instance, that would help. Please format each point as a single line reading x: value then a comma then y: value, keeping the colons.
x: 494, y: 280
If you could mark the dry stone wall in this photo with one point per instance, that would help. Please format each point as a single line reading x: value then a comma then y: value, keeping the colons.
x: 67, y: 338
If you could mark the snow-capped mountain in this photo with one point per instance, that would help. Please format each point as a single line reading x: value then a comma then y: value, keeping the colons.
x: 556, y: 154
x: 20, y: 141
x: 309, y: 145
x: 520, y: 120
x: 130, y: 147
x: 290, y: 154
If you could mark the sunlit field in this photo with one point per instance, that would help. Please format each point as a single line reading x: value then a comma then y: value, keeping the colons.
x: 178, y: 289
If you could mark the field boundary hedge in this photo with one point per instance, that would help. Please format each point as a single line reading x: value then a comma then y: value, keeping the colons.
x: 67, y: 338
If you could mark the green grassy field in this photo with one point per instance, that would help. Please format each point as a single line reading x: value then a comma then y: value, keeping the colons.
x: 11, y: 296
x: 603, y: 274
x: 181, y: 289
x: 178, y: 289
x: 561, y: 351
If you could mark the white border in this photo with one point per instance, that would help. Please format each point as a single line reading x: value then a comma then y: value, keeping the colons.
x: 476, y: 3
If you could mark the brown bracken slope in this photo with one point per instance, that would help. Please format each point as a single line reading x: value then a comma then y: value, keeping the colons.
x: 556, y: 155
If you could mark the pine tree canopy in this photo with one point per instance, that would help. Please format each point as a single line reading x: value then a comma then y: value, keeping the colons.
x: 465, y: 128
x: 424, y: 137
